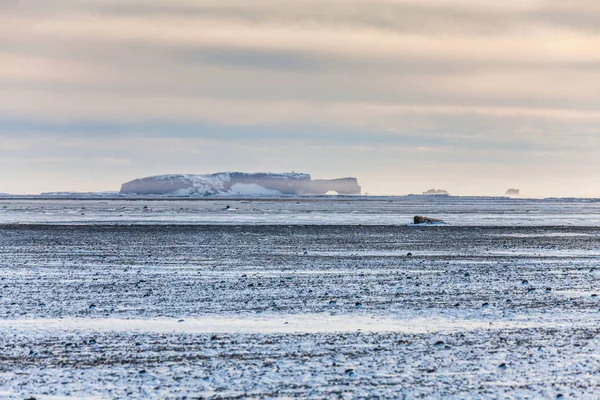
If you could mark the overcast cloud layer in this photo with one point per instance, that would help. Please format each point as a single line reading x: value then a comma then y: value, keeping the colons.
x: 472, y: 96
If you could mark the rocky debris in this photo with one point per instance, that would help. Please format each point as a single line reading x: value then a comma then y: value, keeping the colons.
x: 428, y: 285
x: 426, y: 220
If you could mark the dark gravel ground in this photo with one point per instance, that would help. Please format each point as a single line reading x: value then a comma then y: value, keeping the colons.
x: 151, y: 271
x: 170, y: 271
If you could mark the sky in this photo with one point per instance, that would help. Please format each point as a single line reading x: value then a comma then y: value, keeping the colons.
x: 471, y: 96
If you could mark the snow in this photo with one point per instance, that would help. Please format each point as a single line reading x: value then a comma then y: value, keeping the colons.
x: 409, y: 323
x: 199, y: 184
x: 325, y: 210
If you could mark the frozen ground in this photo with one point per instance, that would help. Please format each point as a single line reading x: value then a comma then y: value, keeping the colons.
x: 259, y: 306
x: 305, y: 211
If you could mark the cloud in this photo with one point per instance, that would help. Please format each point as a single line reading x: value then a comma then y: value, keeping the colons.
x: 460, y: 83
x: 427, y: 17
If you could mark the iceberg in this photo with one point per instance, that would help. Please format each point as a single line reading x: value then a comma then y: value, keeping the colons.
x: 239, y: 184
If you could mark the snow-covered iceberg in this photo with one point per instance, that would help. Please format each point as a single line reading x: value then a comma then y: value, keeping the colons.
x: 240, y: 184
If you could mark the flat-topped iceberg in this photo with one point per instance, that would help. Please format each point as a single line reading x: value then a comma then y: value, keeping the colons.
x: 239, y: 183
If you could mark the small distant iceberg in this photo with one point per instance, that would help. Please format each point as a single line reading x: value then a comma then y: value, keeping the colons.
x: 78, y: 195
x: 436, y: 192
x: 513, y: 192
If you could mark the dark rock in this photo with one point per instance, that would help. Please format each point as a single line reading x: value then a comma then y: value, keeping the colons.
x: 426, y: 220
